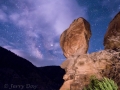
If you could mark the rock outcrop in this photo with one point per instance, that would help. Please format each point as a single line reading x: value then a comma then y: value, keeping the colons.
x: 76, y: 38
x: 112, y: 37
x: 80, y: 68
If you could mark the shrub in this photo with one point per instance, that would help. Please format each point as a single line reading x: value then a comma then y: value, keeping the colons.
x: 104, y: 84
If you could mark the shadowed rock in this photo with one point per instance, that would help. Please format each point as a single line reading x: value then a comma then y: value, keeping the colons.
x: 75, y: 39
x: 112, y: 37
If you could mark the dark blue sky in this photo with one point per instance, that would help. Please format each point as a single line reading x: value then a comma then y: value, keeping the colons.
x: 31, y: 28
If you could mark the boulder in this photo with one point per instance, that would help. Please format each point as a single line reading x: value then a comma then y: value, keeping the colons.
x: 75, y: 39
x: 112, y: 36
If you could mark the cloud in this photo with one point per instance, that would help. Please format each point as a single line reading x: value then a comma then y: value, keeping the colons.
x: 3, y: 16
x: 34, y: 51
x: 42, y: 21
x: 58, y: 14
x: 16, y: 51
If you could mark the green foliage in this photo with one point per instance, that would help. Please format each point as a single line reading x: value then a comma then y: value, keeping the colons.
x: 104, y: 84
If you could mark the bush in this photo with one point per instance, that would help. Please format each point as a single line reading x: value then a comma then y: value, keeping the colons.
x: 104, y: 84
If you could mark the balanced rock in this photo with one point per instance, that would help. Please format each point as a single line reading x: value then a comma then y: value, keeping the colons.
x: 112, y: 37
x: 79, y: 69
x: 76, y: 38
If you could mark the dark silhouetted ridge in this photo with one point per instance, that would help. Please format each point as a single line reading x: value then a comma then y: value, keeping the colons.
x: 16, y: 73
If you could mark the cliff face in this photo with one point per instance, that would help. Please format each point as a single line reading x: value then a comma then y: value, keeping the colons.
x: 80, y: 67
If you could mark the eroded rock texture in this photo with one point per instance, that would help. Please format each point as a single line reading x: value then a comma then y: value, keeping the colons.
x: 112, y: 37
x: 79, y: 68
x: 76, y: 38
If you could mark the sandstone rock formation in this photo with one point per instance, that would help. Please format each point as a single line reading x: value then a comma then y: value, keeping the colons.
x: 112, y: 37
x: 79, y: 68
x: 76, y: 38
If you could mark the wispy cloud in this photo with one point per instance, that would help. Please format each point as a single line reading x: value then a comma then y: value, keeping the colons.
x: 3, y: 16
x: 42, y: 21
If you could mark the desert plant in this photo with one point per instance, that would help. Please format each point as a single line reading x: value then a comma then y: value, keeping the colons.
x: 104, y: 84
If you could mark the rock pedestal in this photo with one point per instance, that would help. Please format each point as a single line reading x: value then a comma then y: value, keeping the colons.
x: 76, y: 38
x: 101, y: 64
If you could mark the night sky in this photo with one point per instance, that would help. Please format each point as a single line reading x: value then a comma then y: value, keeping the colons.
x: 31, y: 28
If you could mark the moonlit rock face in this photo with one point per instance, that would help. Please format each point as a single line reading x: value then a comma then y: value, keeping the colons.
x: 112, y: 37
x: 75, y: 39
